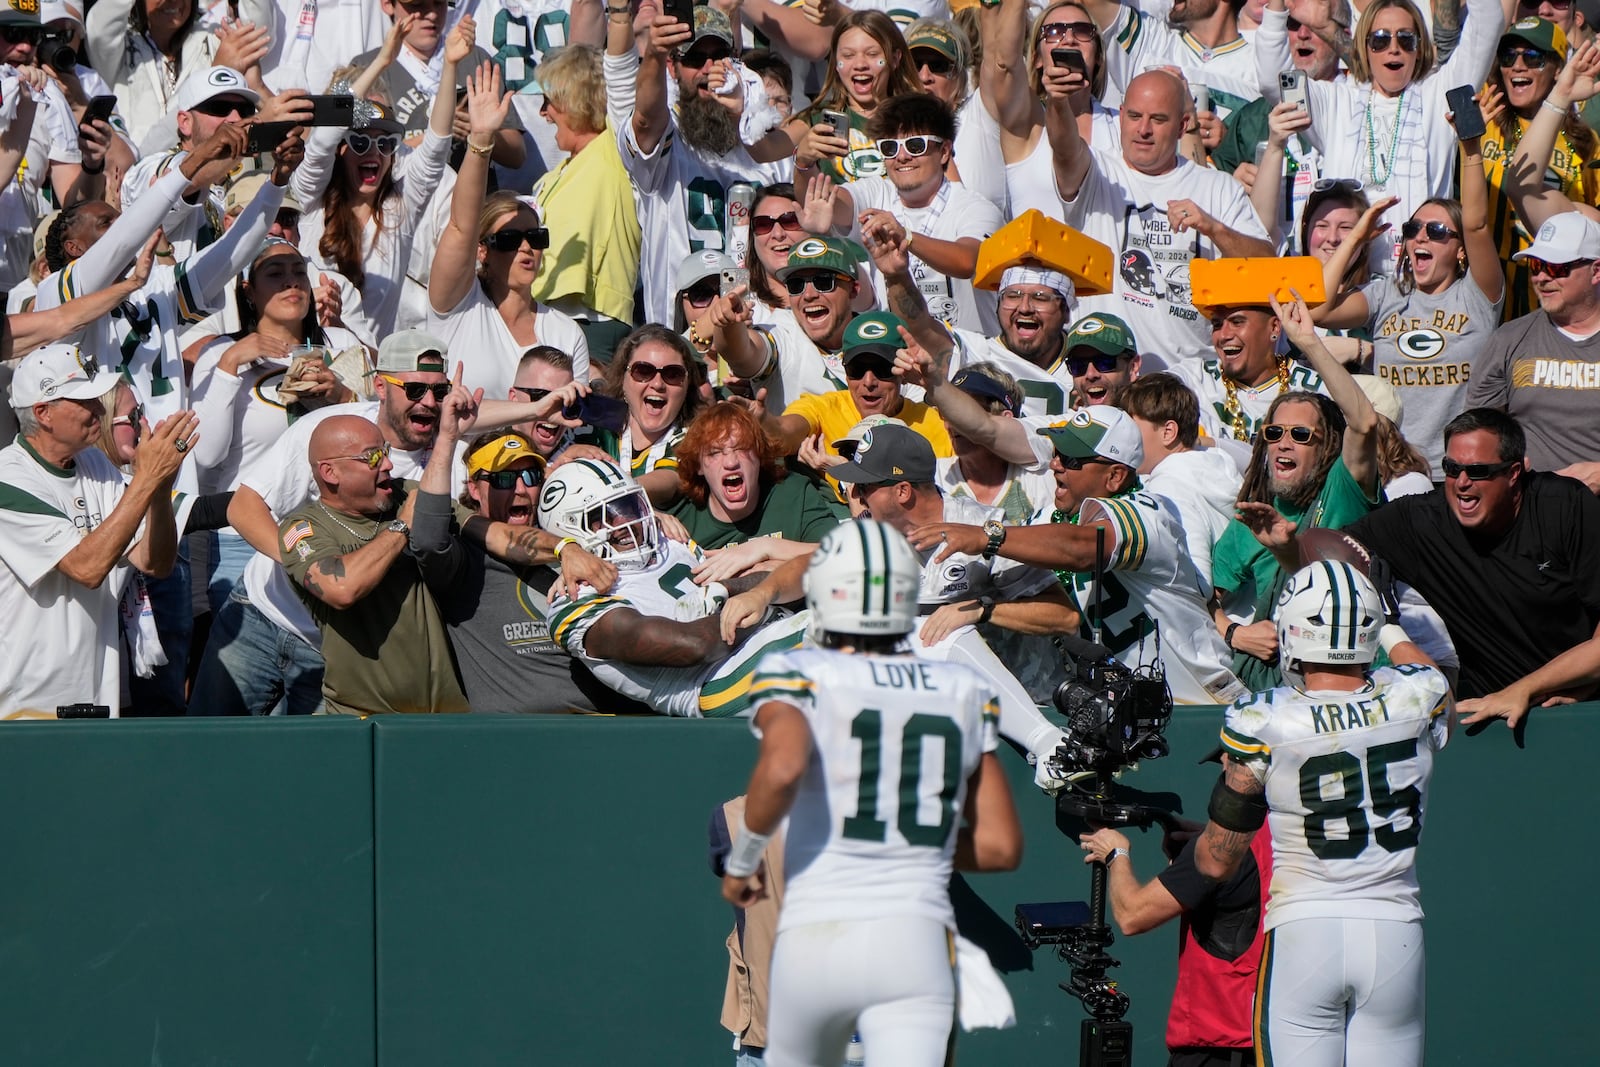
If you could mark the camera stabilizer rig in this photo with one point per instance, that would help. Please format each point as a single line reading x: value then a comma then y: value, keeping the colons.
x: 1115, y: 717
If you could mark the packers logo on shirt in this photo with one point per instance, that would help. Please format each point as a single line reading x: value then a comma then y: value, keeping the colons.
x: 1420, y: 344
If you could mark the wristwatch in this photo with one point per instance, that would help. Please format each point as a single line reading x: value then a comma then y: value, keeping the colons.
x: 996, y: 532
x: 987, y: 604
x: 1114, y: 853
x: 398, y: 526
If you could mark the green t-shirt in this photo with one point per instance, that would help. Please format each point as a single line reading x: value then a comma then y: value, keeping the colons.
x: 793, y: 508
x: 1239, y: 560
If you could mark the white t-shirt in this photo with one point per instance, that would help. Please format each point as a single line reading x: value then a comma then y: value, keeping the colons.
x: 955, y: 212
x: 1202, y: 484
x: 1028, y: 495
x: 1031, y: 181
x: 183, y: 225
x: 1046, y: 390
x: 1125, y: 210
x: 977, y: 153
x: 53, y: 138
x: 63, y: 639
x: 313, y: 38
x: 1136, y: 42
x: 479, y: 340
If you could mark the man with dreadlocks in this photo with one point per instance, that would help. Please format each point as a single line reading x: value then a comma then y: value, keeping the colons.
x: 1315, y: 459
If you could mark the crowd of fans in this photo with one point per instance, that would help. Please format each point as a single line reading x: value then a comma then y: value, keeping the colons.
x: 495, y: 369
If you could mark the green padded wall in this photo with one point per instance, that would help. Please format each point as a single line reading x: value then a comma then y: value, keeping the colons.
x: 187, y: 893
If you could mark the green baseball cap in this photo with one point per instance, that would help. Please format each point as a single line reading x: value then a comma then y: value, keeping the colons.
x: 823, y: 253
x: 1542, y: 34
x: 932, y: 35
x: 877, y: 333
x: 1103, y: 333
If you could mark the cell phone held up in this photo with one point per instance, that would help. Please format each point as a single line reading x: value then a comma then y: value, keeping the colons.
x: 266, y: 136
x: 1071, y: 59
x: 838, y: 120
x: 99, y: 109
x: 1463, y: 104
x: 599, y: 411
x: 732, y: 279
x: 682, y: 10
x: 1292, y: 89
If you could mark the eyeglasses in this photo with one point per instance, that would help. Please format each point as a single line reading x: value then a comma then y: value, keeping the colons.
x: 132, y: 418
x: 889, y: 147
x: 362, y: 143
x: 221, y: 107
x: 1380, y: 40
x: 1077, y: 463
x: 503, y: 480
x: 703, y: 294
x: 372, y: 457
x: 1328, y: 185
x: 857, y: 368
x: 1554, y: 270
x: 1079, y: 31
x: 671, y: 374
x: 1436, y: 231
x: 533, y: 396
x: 1532, y: 58
x: 415, y: 391
x: 761, y: 225
x: 509, y: 239
x: 1037, y: 296
x: 1078, y: 366
x: 1272, y: 433
x: 19, y: 34
x: 694, y: 59
x: 1475, y: 472
x: 937, y: 62
x: 821, y: 281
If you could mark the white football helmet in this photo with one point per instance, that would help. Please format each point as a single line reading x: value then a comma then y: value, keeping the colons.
x: 863, y: 579
x: 1328, y: 612
x: 604, y: 510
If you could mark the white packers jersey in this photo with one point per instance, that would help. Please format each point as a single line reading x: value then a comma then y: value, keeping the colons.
x: 1149, y: 576
x: 667, y: 589
x: 1219, y: 418
x: 873, y: 829
x: 1138, y: 41
x: 963, y: 577
x: 1046, y: 391
x: 1347, y: 784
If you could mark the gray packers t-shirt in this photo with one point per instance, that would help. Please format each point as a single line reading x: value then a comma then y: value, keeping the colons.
x: 1550, y: 382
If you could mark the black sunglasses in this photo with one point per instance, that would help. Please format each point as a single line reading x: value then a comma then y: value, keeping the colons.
x: 694, y: 59
x: 1083, y: 32
x: 857, y: 368
x: 1380, y: 40
x: 503, y: 480
x: 19, y: 34
x: 1078, y: 366
x: 222, y: 106
x: 1475, y: 472
x: 671, y: 374
x: 533, y: 395
x: 1077, y: 463
x: 936, y: 62
x: 761, y: 225
x: 1300, y: 435
x: 702, y: 294
x: 415, y: 391
x: 1532, y: 58
x: 510, y: 239
x: 821, y: 281
x: 1436, y: 231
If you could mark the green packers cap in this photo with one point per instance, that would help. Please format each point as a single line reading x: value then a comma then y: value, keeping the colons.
x: 823, y: 253
x: 936, y: 37
x: 19, y: 12
x: 710, y: 22
x: 412, y: 351
x: 1103, y: 333
x: 877, y: 333
x: 1542, y: 34
x: 1102, y: 431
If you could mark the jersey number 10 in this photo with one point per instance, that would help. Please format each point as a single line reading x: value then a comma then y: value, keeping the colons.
x: 865, y: 825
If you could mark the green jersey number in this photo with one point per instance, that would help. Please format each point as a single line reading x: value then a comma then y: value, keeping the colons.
x: 1387, y: 802
x: 707, y: 207
x: 865, y: 824
x: 1054, y: 401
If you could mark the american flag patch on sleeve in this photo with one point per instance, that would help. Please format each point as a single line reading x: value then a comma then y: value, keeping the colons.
x: 296, y: 533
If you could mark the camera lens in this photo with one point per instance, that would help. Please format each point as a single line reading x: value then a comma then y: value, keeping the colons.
x: 59, y: 55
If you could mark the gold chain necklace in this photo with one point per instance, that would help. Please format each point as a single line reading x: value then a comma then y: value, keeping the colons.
x: 1240, y: 424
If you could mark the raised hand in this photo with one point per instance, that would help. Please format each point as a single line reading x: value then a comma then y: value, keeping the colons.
x: 459, y: 44
x: 487, y: 101
x: 161, y: 451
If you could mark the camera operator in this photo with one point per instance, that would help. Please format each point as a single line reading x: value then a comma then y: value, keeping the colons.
x: 1219, y: 939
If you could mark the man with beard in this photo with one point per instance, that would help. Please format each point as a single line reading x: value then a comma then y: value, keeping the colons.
x: 1199, y: 37
x: 1156, y: 210
x: 682, y: 160
x: 1035, y: 306
x: 1103, y: 359
x: 264, y: 645
x: 348, y: 554
x: 1316, y: 461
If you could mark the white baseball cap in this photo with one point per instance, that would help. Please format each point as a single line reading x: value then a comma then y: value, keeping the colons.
x: 1103, y: 431
x: 212, y: 82
x: 1565, y: 238
x: 59, y: 372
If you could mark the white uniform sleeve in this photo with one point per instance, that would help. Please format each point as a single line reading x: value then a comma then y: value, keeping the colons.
x: 114, y: 252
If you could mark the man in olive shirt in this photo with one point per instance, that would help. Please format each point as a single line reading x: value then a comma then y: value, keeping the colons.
x: 383, y: 639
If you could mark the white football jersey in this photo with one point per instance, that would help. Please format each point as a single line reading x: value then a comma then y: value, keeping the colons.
x: 963, y: 577
x: 1150, y: 576
x: 872, y: 833
x: 1219, y: 417
x: 1347, y: 784
x: 1045, y: 390
x: 667, y: 589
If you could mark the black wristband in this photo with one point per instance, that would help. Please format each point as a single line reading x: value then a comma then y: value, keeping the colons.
x: 1227, y: 636
x: 93, y: 170
x: 987, y: 604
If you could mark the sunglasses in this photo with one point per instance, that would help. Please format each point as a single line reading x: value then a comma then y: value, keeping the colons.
x: 132, y: 418
x: 761, y: 225
x: 415, y: 391
x: 1532, y: 58
x: 1554, y: 270
x: 1077, y: 463
x: 1475, y: 472
x: 362, y: 143
x: 936, y: 62
x: 889, y: 147
x: 19, y: 34
x: 857, y: 368
x: 1380, y: 40
x: 1436, y: 231
x: 695, y: 59
x: 671, y: 374
x: 1328, y: 185
x: 533, y: 396
x: 701, y: 295
x: 503, y: 480
x: 372, y: 457
x: 1300, y: 435
x: 1079, y: 31
x: 821, y: 281
x: 510, y: 239
x: 1078, y: 366
x: 221, y: 107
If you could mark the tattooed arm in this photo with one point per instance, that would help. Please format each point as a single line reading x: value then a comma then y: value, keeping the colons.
x: 341, y: 581
x: 516, y: 545
x: 1218, y: 853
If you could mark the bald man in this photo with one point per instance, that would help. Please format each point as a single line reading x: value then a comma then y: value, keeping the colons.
x: 1153, y: 207
x: 348, y: 554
